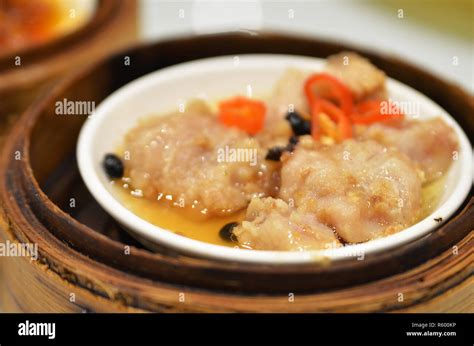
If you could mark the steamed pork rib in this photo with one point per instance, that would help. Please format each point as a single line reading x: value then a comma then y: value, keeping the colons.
x: 430, y: 143
x: 193, y: 161
x: 361, y: 77
x: 271, y: 224
x: 316, y: 165
x: 287, y: 95
x: 361, y: 190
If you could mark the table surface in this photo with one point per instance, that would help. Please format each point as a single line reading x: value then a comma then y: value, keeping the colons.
x: 434, y: 34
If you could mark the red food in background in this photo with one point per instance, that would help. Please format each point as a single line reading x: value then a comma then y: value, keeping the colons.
x: 27, y: 22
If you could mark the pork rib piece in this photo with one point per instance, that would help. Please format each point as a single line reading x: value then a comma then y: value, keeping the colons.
x: 271, y: 224
x: 287, y: 95
x: 361, y: 77
x: 430, y: 143
x: 179, y: 157
x: 362, y: 190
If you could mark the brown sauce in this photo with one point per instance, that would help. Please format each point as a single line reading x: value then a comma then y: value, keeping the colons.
x: 179, y: 220
x: 189, y: 224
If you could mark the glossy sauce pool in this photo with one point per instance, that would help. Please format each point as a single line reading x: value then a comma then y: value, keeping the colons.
x: 179, y: 220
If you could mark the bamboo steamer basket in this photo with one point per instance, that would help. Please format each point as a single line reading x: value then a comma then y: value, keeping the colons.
x: 112, y: 26
x: 88, y: 262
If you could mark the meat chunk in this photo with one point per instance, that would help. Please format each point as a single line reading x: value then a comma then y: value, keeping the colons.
x: 362, y: 190
x: 430, y: 143
x: 194, y: 161
x: 362, y: 78
x: 273, y: 225
x: 287, y: 95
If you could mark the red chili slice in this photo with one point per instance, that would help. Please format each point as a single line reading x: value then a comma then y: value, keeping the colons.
x: 325, y: 86
x: 344, y: 126
x: 369, y: 112
x: 244, y: 113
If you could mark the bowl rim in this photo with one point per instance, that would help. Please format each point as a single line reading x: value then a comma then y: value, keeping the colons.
x: 144, y: 229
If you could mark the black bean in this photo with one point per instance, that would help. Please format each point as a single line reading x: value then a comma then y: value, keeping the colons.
x: 274, y: 153
x: 226, y: 231
x: 293, y: 140
x: 113, y: 166
x: 290, y: 147
x: 299, y: 125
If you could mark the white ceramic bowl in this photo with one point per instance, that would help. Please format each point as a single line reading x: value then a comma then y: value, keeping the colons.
x: 220, y: 77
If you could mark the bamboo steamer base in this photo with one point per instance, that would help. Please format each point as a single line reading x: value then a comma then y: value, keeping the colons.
x: 443, y: 284
x: 112, y: 27
x: 82, y: 266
